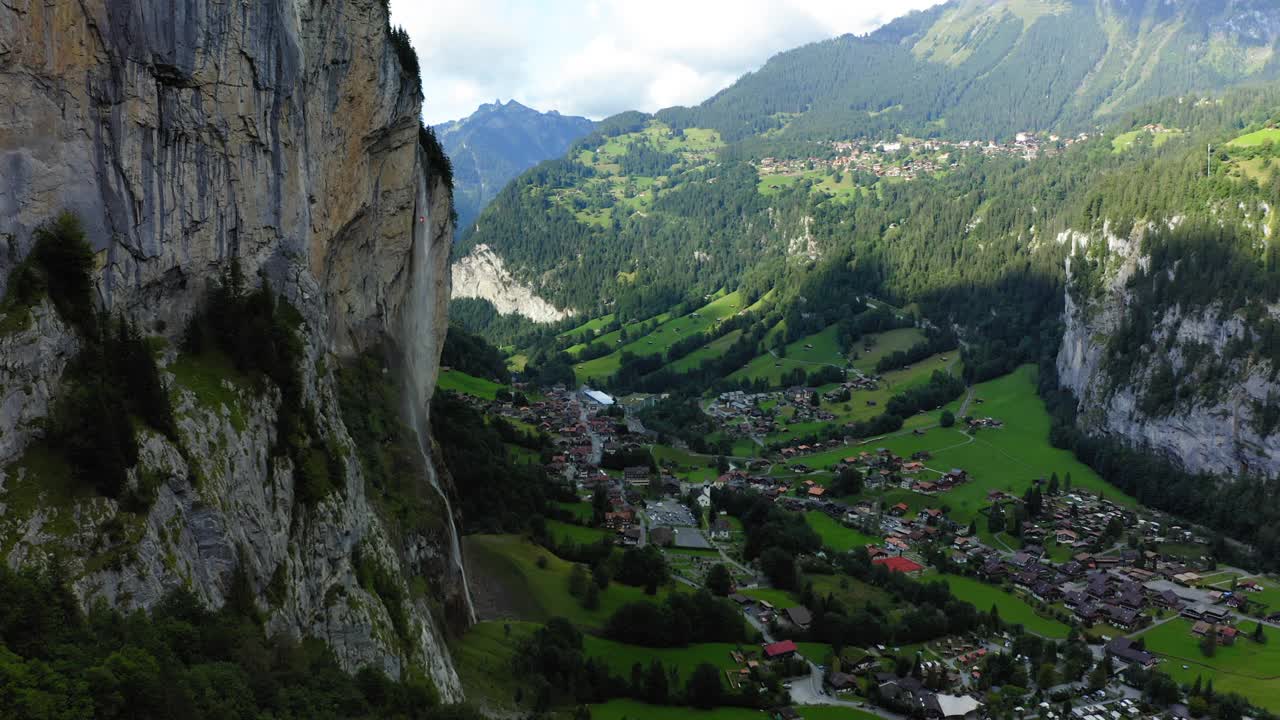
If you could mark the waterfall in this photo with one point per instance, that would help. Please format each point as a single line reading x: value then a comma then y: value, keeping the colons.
x: 421, y: 345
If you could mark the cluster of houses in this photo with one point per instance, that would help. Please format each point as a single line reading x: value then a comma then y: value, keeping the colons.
x: 912, y: 158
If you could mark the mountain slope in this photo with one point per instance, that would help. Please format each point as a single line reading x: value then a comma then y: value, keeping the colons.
x: 990, y: 68
x: 497, y: 142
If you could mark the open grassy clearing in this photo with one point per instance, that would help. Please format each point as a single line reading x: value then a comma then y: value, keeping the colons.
x: 1125, y: 141
x: 1254, y: 139
x: 859, y: 406
x: 1244, y: 667
x: 568, y: 533
x: 1012, y: 608
x: 837, y: 536
x: 883, y: 344
x: 1008, y: 459
x: 712, y: 350
x: 684, y: 464
x: 808, y: 353
x: 580, y: 510
x: 851, y: 592
x: 483, y: 659
x: 588, y: 329
x: 620, y: 657
x: 460, y: 382
x: 663, y: 336
x: 780, y: 599
x: 612, y: 337
x: 510, y: 564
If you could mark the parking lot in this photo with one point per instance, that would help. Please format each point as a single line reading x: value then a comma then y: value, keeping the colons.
x: 669, y: 513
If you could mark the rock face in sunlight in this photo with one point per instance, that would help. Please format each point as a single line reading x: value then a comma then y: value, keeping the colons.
x: 284, y: 134
x: 482, y: 274
x: 1216, y: 433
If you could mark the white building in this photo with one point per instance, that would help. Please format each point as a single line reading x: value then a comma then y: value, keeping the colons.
x: 597, y: 397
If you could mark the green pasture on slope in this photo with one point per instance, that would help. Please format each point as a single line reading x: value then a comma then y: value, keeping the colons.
x: 510, y: 564
x: 1012, y: 608
x: 1254, y: 139
x: 663, y: 336
x: 460, y: 382
x: 837, y: 536
x: 1244, y: 667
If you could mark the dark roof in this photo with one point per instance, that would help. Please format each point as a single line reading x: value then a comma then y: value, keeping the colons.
x: 799, y: 615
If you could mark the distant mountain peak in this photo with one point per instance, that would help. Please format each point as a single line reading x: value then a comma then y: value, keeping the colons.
x: 499, y: 141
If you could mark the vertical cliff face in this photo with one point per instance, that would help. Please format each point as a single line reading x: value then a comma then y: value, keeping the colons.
x: 1219, y: 431
x: 183, y: 134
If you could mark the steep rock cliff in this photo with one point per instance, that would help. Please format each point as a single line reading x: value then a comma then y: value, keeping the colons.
x: 284, y: 134
x: 1219, y: 431
x: 482, y: 274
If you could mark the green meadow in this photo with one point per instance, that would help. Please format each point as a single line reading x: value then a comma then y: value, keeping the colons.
x: 1254, y: 139
x: 1244, y: 667
x: 1012, y: 608
x: 511, y: 564
x: 666, y: 334
x: 460, y: 382
x: 837, y: 536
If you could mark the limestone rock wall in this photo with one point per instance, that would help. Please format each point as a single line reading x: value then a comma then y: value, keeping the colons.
x: 482, y: 274
x: 1217, y: 435
x: 185, y: 133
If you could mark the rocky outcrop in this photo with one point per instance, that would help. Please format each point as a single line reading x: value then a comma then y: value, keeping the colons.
x: 481, y: 274
x: 284, y: 134
x: 1216, y: 433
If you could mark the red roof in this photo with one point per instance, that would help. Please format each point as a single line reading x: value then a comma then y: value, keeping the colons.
x: 779, y: 648
x: 899, y: 564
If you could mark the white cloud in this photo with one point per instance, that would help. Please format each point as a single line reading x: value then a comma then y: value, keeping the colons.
x: 600, y: 57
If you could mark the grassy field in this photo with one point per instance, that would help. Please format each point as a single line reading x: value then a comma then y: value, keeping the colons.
x: 588, y: 329
x: 1006, y: 459
x: 883, y: 344
x: 780, y: 599
x: 566, y: 532
x: 1012, y: 609
x: 1245, y: 667
x: 460, y: 382
x: 712, y: 350
x: 621, y: 657
x: 687, y: 466
x: 857, y: 408
x: 1254, y: 139
x: 1125, y: 141
x: 580, y: 510
x: 822, y: 350
x: 852, y: 593
x: 483, y: 659
x: 510, y: 564
x: 837, y: 536
x: 666, y: 334
x: 611, y: 338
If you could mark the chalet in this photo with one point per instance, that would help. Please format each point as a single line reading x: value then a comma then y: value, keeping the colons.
x: 899, y: 510
x: 780, y: 650
x: 1066, y: 537
x: 1123, y: 618
x: 1227, y: 635
x: 662, y: 536
x: 799, y: 616
x: 637, y: 476
x: 1124, y: 650
x: 1200, y: 611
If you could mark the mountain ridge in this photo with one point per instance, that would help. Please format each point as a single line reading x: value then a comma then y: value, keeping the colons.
x: 497, y: 142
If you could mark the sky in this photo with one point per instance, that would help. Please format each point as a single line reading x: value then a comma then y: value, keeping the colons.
x: 600, y: 57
